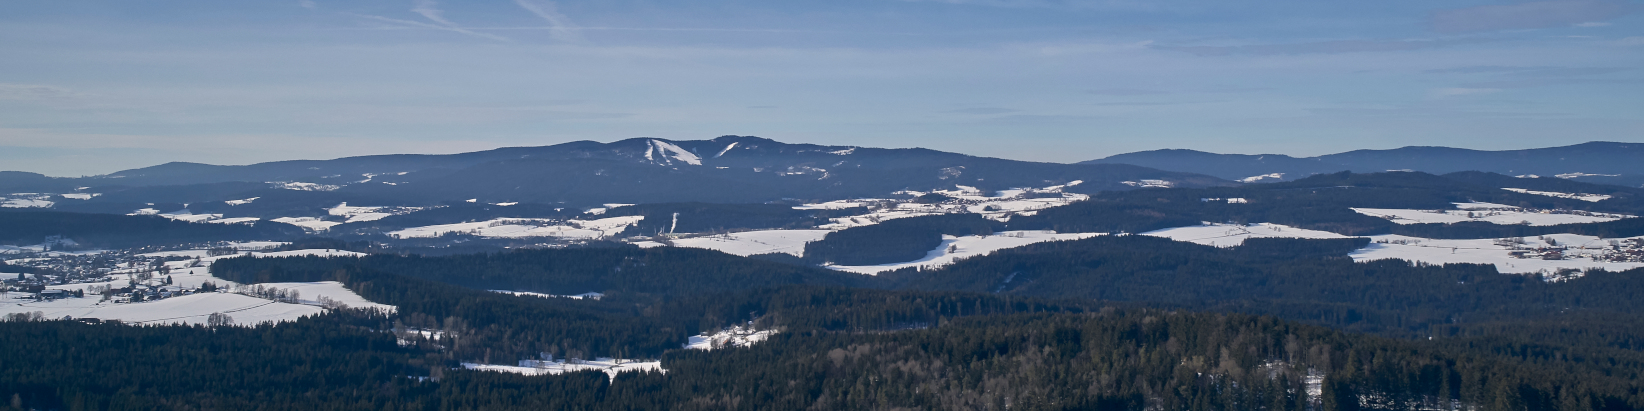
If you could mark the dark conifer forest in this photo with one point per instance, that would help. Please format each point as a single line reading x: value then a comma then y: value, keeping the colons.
x: 1120, y: 321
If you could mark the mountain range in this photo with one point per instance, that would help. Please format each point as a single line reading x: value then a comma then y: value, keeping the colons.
x: 1594, y: 162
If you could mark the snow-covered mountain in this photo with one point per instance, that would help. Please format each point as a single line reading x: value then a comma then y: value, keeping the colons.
x: 729, y: 169
x: 1593, y: 162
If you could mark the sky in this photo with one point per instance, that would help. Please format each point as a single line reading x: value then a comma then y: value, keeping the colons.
x: 93, y: 87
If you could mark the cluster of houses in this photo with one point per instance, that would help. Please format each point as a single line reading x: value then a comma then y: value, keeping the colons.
x: 1616, y: 251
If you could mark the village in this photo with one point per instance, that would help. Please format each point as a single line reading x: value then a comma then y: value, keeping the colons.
x: 1629, y: 250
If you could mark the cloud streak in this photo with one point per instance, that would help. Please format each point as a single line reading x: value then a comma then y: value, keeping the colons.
x: 428, y: 9
x: 1533, y: 15
x: 1323, y: 47
x: 560, y: 27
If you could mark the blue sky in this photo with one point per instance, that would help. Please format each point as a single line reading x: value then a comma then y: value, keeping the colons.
x: 92, y: 87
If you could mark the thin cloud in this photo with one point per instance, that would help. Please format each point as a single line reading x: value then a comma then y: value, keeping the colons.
x: 1531, y: 71
x: 34, y: 92
x: 982, y: 110
x: 560, y: 27
x: 1462, y: 91
x: 1323, y: 47
x: 1533, y: 15
x: 1123, y: 92
x: 429, y: 10
x: 307, y: 4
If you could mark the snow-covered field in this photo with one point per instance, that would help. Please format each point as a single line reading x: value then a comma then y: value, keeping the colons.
x: 737, y: 336
x: 756, y: 242
x: 527, y: 227
x: 26, y: 200
x: 310, y: 223
x: 1231, y: 235
x: 958, y: 248
x: 1490, y: 213
x: 1579, y: 248
x: 188, y: 309
x: 610, y: 366
x: 1583, y: 197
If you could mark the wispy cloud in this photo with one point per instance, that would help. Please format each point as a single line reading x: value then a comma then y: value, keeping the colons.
x: 430, y: 10
x: 560, y: 27
x: 1532, y: 15
x: 34, y: 92
x: 982, y: 110
x: 307, y: 4
x: 1531, y: 71
x: 1123, y: 92
x: 1323, y: 47
x: 1461, y: 91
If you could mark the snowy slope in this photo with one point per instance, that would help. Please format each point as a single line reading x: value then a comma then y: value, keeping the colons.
x: 1433, y: 251
x: 1583, y: 197
x: 188, y: 309
x: 1501, y: 215
x: 958, y: 248
x: 756, y: 242
x: 527, y: 227
x: 1231, y: 235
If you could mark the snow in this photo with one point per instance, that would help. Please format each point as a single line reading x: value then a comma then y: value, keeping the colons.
x: 844, y: 152
x: 235, y: 220
x: 1232, y: 235
x: 185, y: 215
x: 668, y: 152
x: 1483, y: 206
x: 748, y: 243
x: 300, y: 186
x: 527, y: 227
x: 505, y: 204
x: 358, y: 214
x: 536, y: 367
x: 1148, y: 183
x: 1583, y: 197
x: 1489, y: 251
x: 80, y: 196
x: 954, y: 249
x: 726, y: 150
x: 241, y: 202
x: 737, y: 336
x: 1568, y: 176
x: 187, y: 309
x: 35, y: 201
x: 1272, y: 176
x: 647, y: 244
x: 310, y: 223
x: 584, y: 296
x: 1477, y: 212
x: 838, y: 204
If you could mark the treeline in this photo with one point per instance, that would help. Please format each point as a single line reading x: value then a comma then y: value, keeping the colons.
x: 894, y: 241
x: 1107, y: 359
x: 1303, y: 280
x: 120, y: 231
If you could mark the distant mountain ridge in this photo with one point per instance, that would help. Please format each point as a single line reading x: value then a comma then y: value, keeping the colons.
x: 727, y: 169
x: 1594, y: 162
